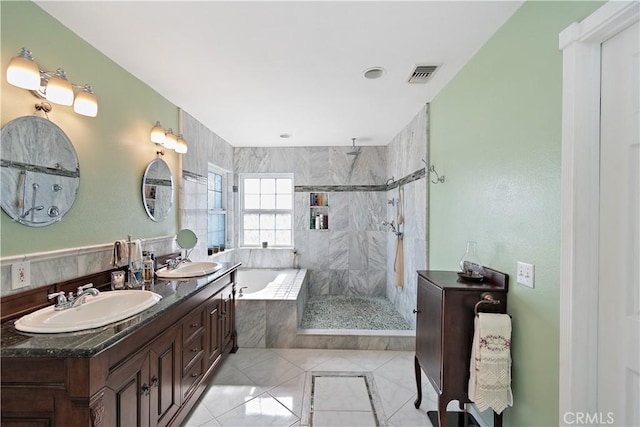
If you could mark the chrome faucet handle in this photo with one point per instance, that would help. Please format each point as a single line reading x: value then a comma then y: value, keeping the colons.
x: 61, y: 298
x: 81, y: 289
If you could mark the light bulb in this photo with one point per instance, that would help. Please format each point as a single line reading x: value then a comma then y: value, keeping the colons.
x: 181, y: 145
x: 23, y: 71
x: 171, y: 141
x: 158, y: 134
x: 86, y: 102
x: 59, y: 89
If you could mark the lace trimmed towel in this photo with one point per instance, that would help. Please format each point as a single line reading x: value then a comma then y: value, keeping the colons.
x: 490, y: 367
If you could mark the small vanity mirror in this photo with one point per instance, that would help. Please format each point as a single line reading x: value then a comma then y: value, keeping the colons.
x: 40, y: 171
x: 187, y: 239
x: 157, y: 190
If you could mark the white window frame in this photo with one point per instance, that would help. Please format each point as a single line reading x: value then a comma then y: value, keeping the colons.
x: 225, y: 209
x: 242, y: 211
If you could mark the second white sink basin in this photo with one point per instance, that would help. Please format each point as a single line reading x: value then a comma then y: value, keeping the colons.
x: 107, y: 307
x: 189, y: 269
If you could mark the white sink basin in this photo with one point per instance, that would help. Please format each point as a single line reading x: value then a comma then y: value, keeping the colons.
x: 107, y: 307
x: 189, y: 269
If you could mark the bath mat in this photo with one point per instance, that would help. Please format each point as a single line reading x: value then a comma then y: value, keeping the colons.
x: 322, y: 397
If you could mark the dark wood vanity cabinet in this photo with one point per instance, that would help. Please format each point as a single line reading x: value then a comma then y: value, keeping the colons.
x: 144, y: 390
x: 444, y: 331
x: 152, y: 377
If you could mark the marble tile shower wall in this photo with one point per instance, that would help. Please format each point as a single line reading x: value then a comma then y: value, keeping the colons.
x: 404, y: 157
x: 205, y: 147
x: 350, y: 257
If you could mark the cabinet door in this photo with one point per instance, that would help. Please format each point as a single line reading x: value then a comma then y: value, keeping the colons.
x: 429, y: 331
x: 214, y: 321
x: 226, y: 317
x: 164, y: 355
x: 127, y: 393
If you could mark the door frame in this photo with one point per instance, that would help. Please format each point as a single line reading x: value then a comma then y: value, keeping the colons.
x: 580, y: 44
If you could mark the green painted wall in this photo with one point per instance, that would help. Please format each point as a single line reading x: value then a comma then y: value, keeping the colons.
x: 496, y: 136
x: 113, y: 148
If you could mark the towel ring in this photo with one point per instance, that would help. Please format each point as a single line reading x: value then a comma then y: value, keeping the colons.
x: 486, y: 298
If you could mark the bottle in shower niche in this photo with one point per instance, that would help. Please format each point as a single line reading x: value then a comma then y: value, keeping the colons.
x: 318, y: 211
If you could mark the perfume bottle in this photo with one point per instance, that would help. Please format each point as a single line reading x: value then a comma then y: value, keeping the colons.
x: 470, y: 263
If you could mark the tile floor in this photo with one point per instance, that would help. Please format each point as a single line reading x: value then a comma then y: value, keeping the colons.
x: 310, y: 387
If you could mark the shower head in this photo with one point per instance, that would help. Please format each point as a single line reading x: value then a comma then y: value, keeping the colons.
x: 355, y: 150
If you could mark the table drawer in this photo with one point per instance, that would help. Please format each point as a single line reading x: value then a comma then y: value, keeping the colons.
x: 192, y: 326
x: 191, y: 350
x: 192, y: 376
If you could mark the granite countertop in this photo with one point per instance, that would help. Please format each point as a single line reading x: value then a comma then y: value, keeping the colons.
x: 90, y: 342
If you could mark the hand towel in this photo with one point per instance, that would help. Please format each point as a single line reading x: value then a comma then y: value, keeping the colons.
x: 398, y: 266
x: 120, y: 253
x: 136, y: 251
x: 490, y: 367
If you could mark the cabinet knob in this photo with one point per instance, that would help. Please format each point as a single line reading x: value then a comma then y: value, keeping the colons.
x: 155, y: 381
x: 194, y: 350
x: 194, y: 375
x: 415, y: 311
x: 145, y: 389
x: 194, y: 325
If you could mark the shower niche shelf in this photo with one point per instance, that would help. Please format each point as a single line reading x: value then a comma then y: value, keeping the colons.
x: 318, y: 211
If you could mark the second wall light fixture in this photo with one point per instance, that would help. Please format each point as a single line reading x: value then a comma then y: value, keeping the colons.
x: 167, y: 139
x: 25, y: 73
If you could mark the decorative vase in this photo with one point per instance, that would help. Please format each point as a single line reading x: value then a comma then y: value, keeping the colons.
x: 470, y: 263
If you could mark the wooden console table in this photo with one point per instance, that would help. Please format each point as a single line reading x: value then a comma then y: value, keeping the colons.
x: 444, y: 331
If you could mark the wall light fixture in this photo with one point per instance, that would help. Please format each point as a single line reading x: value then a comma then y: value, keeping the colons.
x: 167, y: 139
x: 54, y: 86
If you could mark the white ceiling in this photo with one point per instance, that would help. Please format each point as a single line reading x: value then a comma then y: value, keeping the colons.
x: 251, y: 71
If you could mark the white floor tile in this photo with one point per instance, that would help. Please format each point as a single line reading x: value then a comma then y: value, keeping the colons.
x: 290, y: 394
x: 304, y: 358
x: 340, y: 394
x: 265, y: 387
x: 262, y: 411
x: 392, y: 396
x: 343, y: 419
x: 221, y: 399
x: 272, y: 372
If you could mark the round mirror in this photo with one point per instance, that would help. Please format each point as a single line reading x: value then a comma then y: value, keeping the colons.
x: 187, y: 239
x: 40, y: 171
x: 157, y: 190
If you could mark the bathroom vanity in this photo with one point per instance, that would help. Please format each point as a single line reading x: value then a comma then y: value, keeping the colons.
x: 148, y: 370
x: 445, y: 312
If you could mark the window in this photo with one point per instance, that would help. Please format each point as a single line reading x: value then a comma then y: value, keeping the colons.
x: 216, y: 213
x: 266, y: 212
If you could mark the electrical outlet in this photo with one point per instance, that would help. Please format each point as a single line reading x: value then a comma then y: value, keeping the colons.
x: 526, y: 274
x: 20, y: 275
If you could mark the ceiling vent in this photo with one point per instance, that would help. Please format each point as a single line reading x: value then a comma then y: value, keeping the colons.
x: 421, y: 73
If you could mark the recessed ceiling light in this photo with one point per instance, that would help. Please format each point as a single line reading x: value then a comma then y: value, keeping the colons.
x: 286, y: 135
x: 374, y: 73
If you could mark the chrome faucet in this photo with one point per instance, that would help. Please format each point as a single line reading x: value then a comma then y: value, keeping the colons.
x: 173, y: 263
x: 63, y: 302
x: 81, y: 294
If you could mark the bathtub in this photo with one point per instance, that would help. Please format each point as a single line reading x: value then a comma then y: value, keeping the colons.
x: 265, y: 284
x: 271, y: 303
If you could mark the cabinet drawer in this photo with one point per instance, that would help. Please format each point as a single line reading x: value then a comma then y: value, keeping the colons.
x: 191, y: 350
x: 192, y: 325
x: 192, y: 376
